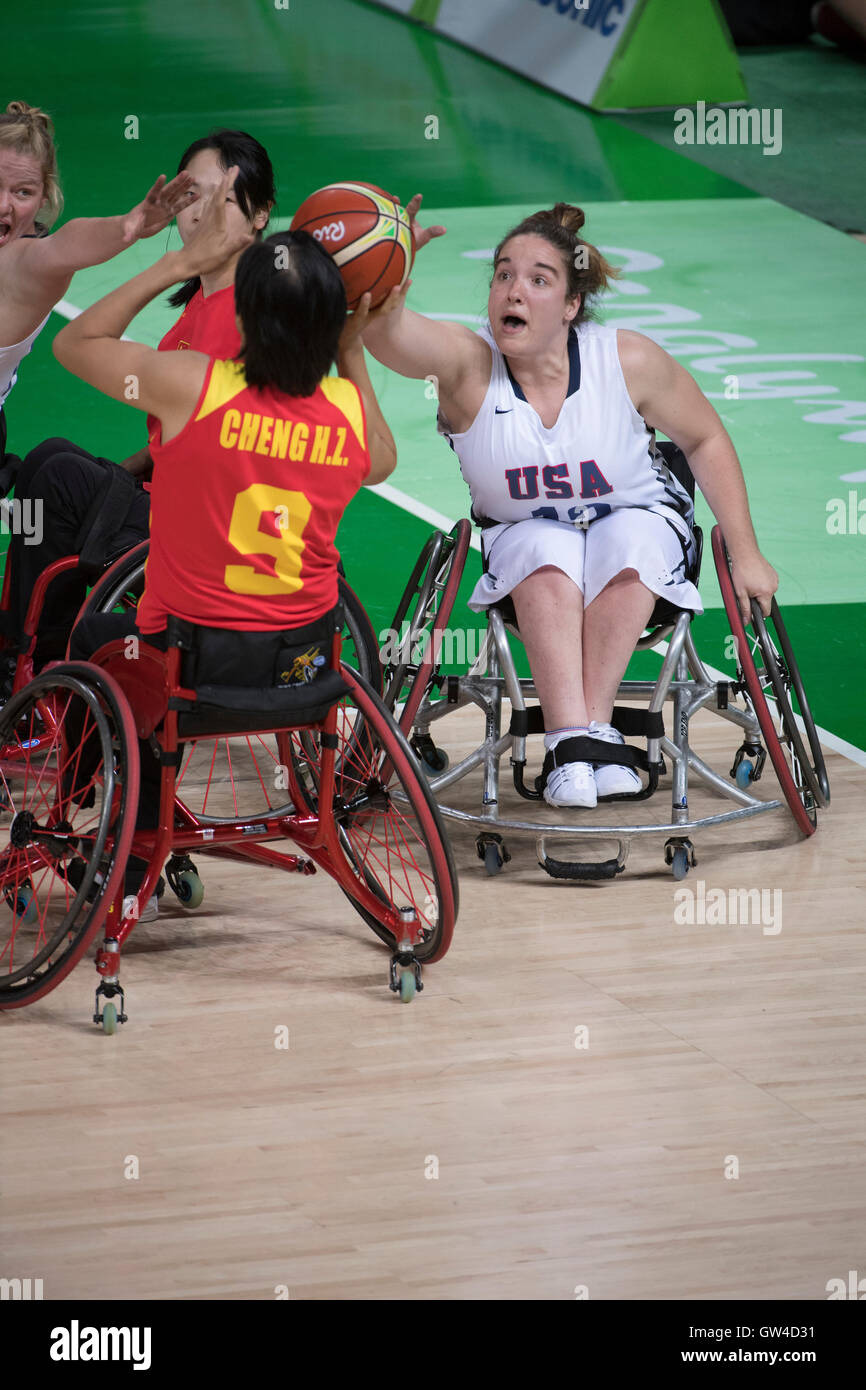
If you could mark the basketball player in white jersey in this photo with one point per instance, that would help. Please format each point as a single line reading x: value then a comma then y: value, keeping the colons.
x: 552, y: 418
x: 36, y: 266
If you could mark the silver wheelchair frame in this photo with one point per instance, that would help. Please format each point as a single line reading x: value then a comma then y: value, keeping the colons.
x: 683, y: 682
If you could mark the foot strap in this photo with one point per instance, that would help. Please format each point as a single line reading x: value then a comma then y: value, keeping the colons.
x: 583, y: 749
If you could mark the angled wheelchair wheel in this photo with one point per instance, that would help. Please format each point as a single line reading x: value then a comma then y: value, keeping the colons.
x: 121, y: 586
x: 423, y: 611
x: 70, y: 778
x: 389, y: 831
x: 769, y: 673
x: 226, y: 779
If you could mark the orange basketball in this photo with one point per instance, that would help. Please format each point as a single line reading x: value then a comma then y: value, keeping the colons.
x: 366, y: 231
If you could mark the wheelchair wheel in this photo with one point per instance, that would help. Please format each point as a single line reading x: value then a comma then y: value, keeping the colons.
x: 770, y: 681
x: 226, y: 779
x: 425, y: 608
x: 70, y: 777
x: 123, y: 584
x: 389, y: 830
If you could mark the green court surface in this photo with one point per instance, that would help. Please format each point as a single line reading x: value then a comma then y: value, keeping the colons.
x: 761, y: 303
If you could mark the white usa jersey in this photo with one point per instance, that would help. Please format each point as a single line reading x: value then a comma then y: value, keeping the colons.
x: 599, y: 454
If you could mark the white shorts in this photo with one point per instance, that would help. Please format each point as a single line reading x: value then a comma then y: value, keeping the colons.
x: 629, y: 538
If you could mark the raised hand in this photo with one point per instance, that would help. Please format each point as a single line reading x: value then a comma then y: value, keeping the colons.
x: 422, y: 234
x: 363, y: 316
x: 158, y: 208
x: 211, y: 243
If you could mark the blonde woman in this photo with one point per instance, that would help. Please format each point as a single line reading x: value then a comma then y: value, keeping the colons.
x: 36, y: 265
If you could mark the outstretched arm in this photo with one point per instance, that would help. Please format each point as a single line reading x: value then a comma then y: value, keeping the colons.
x: 39, y: 269
x: 352, y: 365
x: 91, y: 345
x: 671, y: 401
x: 416, y: 346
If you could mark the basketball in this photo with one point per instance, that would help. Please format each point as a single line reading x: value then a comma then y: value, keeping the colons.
x: 366, y: 231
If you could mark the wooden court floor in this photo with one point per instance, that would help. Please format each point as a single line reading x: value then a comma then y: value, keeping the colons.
x: 590, y: 1098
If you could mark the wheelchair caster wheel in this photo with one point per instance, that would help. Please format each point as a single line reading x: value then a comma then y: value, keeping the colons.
x: 432, y: 759
x: 679, y: 863
x: 190, y: 889
x: 184, y: 881
x: 491, y: 849
x: 680, y: 854
x: 109, y: 1019
x: 748, y: 764
x: 745, y: 774
x: 23, y: 905
x: 492, y: 860
x: 407, y: 986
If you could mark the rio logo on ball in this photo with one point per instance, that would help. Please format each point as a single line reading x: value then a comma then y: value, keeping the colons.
x: 334, y: 231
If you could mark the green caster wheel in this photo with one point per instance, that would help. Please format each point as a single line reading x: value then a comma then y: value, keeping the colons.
x: 408, y: 985
x: 190, y: 889
x: 109, y: 1019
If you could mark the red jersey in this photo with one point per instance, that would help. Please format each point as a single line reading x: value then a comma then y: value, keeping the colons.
x: 206, y: 325
x: 245, y: 503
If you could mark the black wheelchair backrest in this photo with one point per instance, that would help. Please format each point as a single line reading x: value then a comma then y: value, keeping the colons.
x: 678, y: 464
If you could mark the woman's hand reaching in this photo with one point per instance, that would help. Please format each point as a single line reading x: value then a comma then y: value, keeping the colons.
x: 158, y: 208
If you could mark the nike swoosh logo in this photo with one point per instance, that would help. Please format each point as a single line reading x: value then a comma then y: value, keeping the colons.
x: 504, y: 412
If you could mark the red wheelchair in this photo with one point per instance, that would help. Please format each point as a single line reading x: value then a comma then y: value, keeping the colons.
x: 322, y: 765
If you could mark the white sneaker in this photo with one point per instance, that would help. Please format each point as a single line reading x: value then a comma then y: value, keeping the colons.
x: 572, y: 784
x: 612, y: 779
x: 150, y: 911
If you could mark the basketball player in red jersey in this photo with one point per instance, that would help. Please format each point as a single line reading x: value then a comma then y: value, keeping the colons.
x: 254, y: 460
x: 70, y: 483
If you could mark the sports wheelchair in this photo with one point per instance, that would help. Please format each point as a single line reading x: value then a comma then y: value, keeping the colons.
x: 326, y: 768
x: 766, y: 702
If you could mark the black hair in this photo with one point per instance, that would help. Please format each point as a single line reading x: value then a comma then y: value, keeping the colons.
x: 254, y: 185
x: 292, y: 305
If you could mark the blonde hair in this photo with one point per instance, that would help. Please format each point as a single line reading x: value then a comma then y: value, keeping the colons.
x: 28, y: 130
x: 587, y: 271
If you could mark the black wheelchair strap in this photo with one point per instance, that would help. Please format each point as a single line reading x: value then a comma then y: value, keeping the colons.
x: 105, y: 517
x: 526, y: 721
x: 583, y: 749
x: 637, y: 723
x: 631, y: 723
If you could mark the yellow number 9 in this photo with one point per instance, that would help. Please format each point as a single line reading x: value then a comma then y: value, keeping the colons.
x: 291, y: 512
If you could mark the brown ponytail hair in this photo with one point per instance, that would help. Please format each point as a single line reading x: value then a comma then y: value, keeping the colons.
x: 587, y: 272
x: 29, y: 131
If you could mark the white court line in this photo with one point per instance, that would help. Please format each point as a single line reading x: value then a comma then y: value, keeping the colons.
x: 443, y: 523
x: 419, y: 509
x: 839, y: 745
